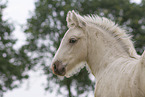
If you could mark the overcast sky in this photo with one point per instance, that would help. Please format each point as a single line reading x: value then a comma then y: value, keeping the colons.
x: 17, y: 12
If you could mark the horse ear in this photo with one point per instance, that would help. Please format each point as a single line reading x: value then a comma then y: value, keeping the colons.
x: 69, y: 19
x: 74, y: 19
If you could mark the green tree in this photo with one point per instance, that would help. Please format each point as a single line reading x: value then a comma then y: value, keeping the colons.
x: 13, y: 63
x: 47, y: 26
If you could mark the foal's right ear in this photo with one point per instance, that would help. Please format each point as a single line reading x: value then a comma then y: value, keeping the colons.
x: 74, y: 19
x: 69, y: 19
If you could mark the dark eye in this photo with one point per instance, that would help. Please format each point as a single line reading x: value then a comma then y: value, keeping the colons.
x: 72, y: 40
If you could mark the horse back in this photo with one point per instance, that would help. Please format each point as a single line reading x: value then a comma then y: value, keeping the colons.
x: 143, y: 58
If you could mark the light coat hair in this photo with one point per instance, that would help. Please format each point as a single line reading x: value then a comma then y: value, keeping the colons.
x: 108, y: 53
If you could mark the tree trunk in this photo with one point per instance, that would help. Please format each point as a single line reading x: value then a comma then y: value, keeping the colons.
x: 69, y: 90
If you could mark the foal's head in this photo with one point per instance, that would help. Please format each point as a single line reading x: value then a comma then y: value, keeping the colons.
x: 72, y: 53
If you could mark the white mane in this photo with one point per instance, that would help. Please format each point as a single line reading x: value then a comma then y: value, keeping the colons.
x: 114, y: 30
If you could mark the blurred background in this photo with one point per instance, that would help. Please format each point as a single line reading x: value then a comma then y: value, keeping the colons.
x: 31, y: 31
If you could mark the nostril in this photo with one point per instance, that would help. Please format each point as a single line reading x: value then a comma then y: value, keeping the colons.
x: 63, y: 69
x: 54, y: 67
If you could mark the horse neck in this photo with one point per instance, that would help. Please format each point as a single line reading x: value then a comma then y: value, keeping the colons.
x: 102, y: 50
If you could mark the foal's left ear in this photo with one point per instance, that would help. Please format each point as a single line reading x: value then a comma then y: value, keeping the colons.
x: 74, y: 19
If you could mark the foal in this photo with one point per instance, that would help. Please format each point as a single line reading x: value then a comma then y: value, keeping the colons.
x: 106, y: 50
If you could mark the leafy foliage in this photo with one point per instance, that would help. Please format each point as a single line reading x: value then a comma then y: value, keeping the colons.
x: 48, y: 24
x: 13, y: 63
